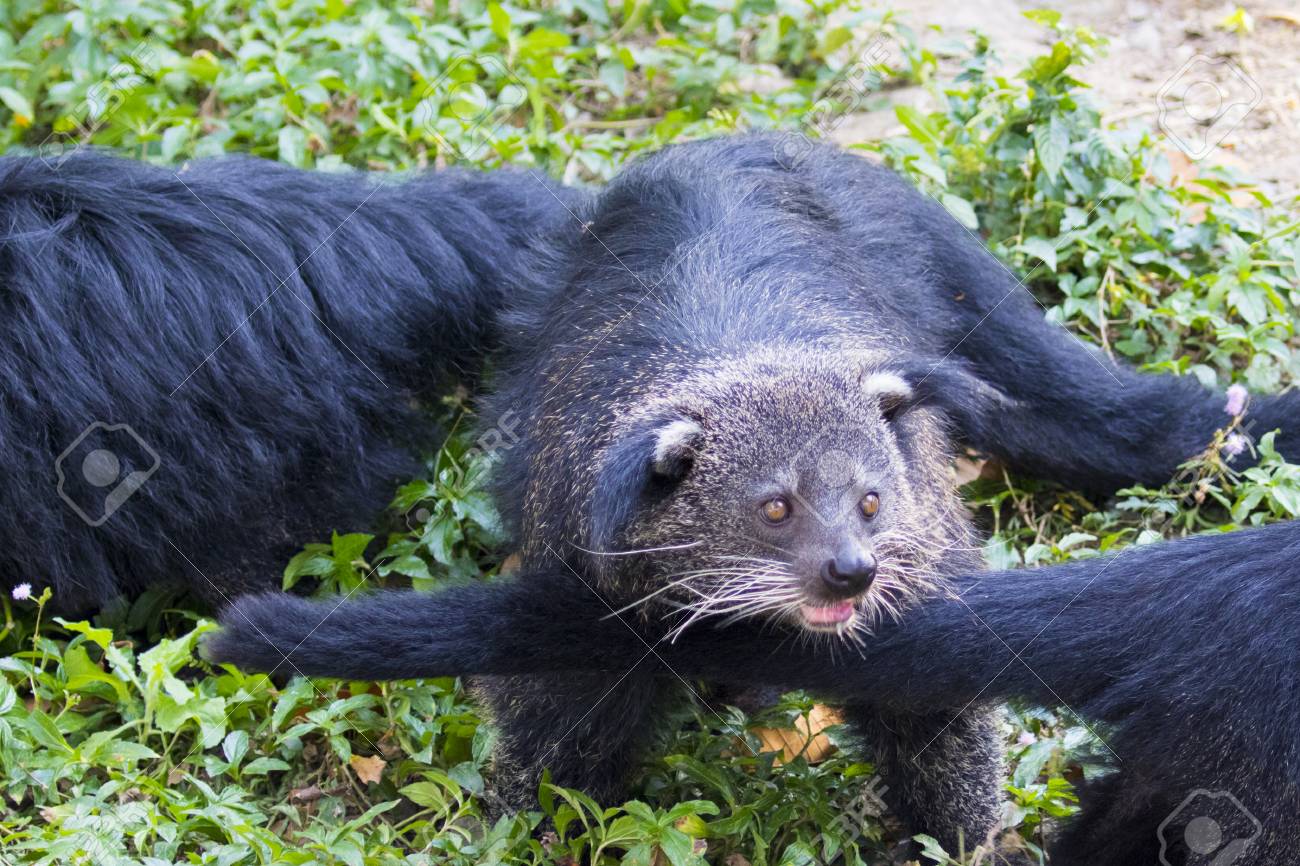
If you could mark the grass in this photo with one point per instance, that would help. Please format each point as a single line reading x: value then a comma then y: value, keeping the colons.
x: 118, y: 745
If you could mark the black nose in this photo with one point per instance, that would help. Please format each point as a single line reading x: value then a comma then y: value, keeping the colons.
x: 846, y: 576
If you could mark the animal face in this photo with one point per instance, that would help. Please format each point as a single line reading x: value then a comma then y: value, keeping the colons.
x: 794, y: 495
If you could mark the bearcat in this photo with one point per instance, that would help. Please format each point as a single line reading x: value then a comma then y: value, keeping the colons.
x: 1182, y: 655
x: 246, y: 337
x: 736, y: 398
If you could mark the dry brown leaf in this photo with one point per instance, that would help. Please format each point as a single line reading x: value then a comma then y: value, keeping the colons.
x: 967, y: 470
x: 389, y: 747
x: 369, y: 770
x: 309, y: 794
x: 790, y: 741
x: 1185, y: 171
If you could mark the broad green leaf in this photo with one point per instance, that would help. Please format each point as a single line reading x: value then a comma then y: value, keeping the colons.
x: 1052, y: 144
x: 961, y: 209
x: 1042, y: 249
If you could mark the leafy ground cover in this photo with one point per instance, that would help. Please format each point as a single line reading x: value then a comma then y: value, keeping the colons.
x: 119, y: 745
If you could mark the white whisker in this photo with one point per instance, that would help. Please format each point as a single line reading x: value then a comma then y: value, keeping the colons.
x: 635, y: 552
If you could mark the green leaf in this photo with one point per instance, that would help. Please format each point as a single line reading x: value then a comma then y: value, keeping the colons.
x: 467, y: 776
x: 17, y: 103
x: 409, y: 565
x: 81, y: 671
x: 921, y: 127
x: 1042, y: 249
x: 679, y: 848
x: 235, y: 746
x: 293, y: 145
x: 351, y: 547
x: 500, y: 21
x: 46, y: 732
x: 1045, y: 17
x: 1052, y: 144
x: 961, y: 209
x: 262, y: 766
x: 428, y: 794
x: 101, y: 636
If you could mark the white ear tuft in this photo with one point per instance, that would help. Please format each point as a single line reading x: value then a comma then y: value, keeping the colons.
x: 674, y: 443
x: 889, y: 387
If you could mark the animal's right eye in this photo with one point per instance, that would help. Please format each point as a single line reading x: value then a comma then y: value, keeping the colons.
x: 775, y: 510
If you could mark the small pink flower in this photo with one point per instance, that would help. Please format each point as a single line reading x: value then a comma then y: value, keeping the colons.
x: 1234, y: 444
x: 22, y: 592
x: 1026, y: 739
x: 1237, y: 397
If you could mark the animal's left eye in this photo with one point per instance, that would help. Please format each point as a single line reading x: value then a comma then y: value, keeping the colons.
x: 775, y: 510
x: 869, y: 505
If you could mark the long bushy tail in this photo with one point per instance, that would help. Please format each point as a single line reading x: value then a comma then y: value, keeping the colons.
x: 517, y: 627
x: 1163, y: 628
x: 258, y: 328
x: 1180, y: 655
x: 1073, y: 414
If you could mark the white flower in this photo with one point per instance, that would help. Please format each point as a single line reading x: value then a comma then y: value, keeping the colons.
x: 22, y: 592
x: 1236, y: 404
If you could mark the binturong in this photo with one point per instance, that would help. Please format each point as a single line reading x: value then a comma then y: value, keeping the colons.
x: 716, y: 421
x: 810, y: 494
x: 738, y: 398
x: 812, y: 490
x: 1180, y: 656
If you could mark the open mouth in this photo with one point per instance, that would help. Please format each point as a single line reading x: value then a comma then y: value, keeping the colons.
x: 830, y: 617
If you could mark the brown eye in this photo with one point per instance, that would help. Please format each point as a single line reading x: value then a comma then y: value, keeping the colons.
x: 775, y: 510
x: 870, y: 505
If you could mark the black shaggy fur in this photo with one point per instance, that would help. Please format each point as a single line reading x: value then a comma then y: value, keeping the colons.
x: 694, y: 259
x: 1182, y: 654
x: 132, y: 296
x: 261, y: 329
x: 717, y: 256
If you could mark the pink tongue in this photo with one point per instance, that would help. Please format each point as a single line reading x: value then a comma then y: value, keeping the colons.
x: 828, y: 615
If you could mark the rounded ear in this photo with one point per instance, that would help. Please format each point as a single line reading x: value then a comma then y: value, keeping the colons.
x: 945, y: 385
x: 654, y: 453
x: 890, y: 389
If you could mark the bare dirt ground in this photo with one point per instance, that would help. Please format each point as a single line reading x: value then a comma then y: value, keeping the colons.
x: 1230, y: 97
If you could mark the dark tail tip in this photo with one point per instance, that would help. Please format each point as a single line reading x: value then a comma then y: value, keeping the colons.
x: 258, y: 632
